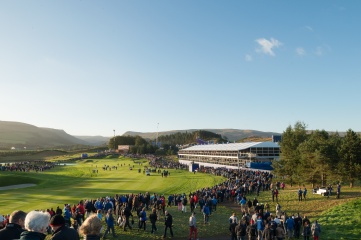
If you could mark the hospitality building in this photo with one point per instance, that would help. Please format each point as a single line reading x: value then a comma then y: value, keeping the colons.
x: 231, y: 155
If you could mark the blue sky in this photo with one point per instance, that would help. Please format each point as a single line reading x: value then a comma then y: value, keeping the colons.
x: 89, y: 67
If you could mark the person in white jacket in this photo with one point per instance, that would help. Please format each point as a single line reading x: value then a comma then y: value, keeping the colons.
x: 193, y: 226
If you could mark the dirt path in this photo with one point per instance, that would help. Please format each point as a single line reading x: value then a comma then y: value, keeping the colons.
x: 17, y: 186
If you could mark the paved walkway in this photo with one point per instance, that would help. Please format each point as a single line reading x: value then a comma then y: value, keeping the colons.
x: 17, y: 186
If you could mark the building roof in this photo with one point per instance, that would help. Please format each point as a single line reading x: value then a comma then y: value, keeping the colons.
x: 231, y: 146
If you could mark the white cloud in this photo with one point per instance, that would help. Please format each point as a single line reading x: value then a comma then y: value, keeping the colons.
x: 300, y: 51
x: 267, y: 46
x: 248, y: 58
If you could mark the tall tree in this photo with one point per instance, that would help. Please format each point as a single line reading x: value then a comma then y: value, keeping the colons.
x: 350, y: 154
x: 289, y: 163
x: 317, y: 154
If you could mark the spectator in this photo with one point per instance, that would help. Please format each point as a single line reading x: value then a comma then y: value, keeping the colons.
x: 90, y: 229
x: 316, y: 230
x: 260, y: 227
x: 233, y: 218
x: 142, y: 218
x: 278, y: 210
x: 58, y: 211
x: 298, y: 223
x: 241, y: 229
x: 206, y: 213
x: 36, y: 224
x: 299, y: 194
x: 15, y: 226
x: 193, y: 226
x: 168, y: 224
x: 280, y: 232
x: 214, y: 203
x: 57, y: 223
x: 252, y: 231
x: 80, y: 211
x: 338, y: 191
x: 109, y: 219
x: 243, y: 203
x: 232, y: 229
x: 67, y: 215
x: 290, y: 225
x: 127, y: 213
x: 267, y: 233
x: 184, y: 204
x: 153, y: 219
x: 306, y: 231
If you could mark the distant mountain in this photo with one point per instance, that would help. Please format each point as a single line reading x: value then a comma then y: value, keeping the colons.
x: 16, y: 134
x: 231, y: 134
x: 95, y: 140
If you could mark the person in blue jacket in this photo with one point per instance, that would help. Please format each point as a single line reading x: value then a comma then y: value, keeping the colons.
x: 109, y: 219
x: 215, y: 202
x: 206, y: 213
x: 67, y: 215
x: 260, y: 227
x: 142, y: 218
x: 290, y: 226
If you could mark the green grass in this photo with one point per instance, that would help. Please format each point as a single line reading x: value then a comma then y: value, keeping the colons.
x: 343, y: 221
x: 69, y: 184
x: 339, y: 218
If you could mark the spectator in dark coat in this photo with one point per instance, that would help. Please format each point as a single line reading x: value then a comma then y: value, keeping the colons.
x: 153, y: 219
x: 267, y: 233
x: 127, y: 214
x: 15, y: 226
x: 168, y: 224
x: 57, y: 223
x: 306, y: 231
x: 241, y: 230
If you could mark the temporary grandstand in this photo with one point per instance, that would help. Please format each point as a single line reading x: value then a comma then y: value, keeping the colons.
x: 231, y: 155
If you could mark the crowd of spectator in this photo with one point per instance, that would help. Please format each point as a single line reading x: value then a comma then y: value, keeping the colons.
x: 27, y: 166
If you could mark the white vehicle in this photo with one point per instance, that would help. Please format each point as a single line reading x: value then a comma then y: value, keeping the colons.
x: 147, y: 172
x: 322, y: 191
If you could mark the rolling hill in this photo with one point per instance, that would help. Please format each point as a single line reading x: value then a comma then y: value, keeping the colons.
x: 231, y: 134
x: 95, y: 140
x: 22, y: 135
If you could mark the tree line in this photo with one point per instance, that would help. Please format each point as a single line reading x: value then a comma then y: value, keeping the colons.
x: 138, y: 145
x: 191, y: 137
x: 168, y: 143
x: 318, y: 157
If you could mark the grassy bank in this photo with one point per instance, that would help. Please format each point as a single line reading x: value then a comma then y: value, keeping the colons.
x: 339, y: 218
